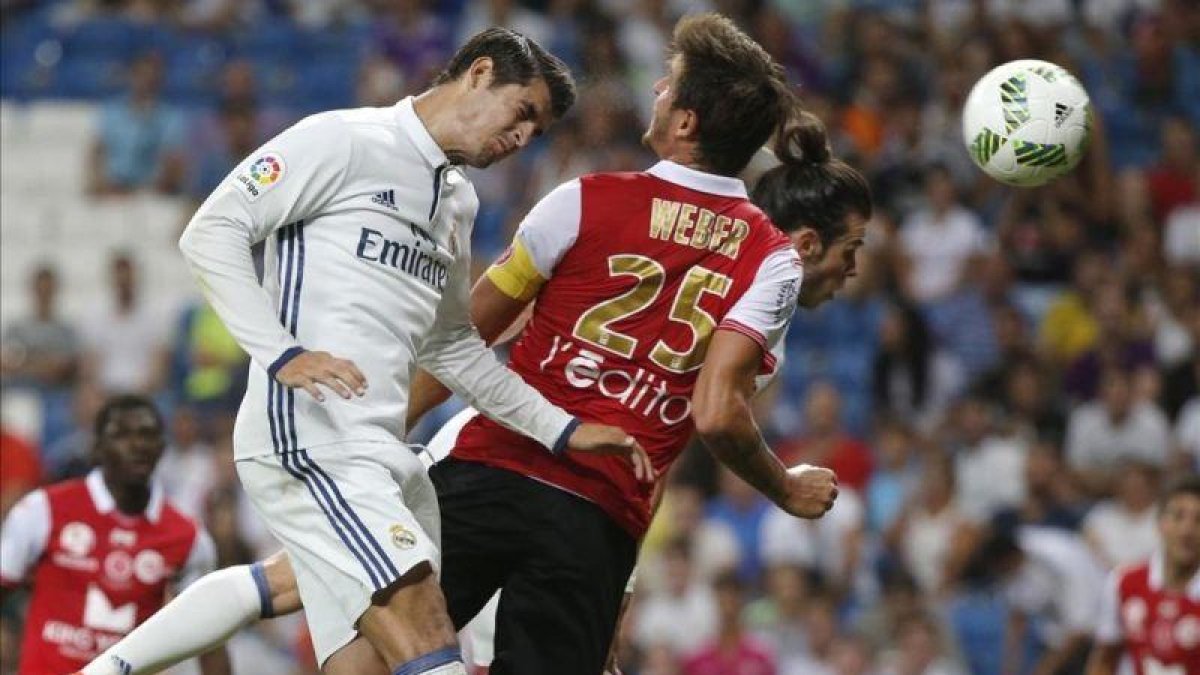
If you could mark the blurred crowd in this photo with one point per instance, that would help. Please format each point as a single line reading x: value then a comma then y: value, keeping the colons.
x: 1003, y: 389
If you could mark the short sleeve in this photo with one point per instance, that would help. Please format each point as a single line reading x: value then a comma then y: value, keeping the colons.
x: 552, y: 226
x: 1108, y: 626
x: 201, y: 560
x: 25, y: 535
x: 764, y: 311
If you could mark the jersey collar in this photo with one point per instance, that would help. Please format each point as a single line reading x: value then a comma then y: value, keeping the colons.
x: 1157, y: 573
x: 726, y: 186
x: 415, y: 128
x: 105, y: 503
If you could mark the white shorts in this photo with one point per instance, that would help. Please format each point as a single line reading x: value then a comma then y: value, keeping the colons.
x: 354, y: 518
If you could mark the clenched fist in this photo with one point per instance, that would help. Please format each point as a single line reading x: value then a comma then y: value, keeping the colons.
x: 809, y: 491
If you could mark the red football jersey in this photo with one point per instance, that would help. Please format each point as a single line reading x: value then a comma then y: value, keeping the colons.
x: 95, y: 572
x: 660, y: 260
x: 1159, y: 628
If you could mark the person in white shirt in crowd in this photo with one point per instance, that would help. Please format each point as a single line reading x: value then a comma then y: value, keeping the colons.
x: 918, y: 650
x: 125, y: 346
x: 681, y: 616
x: 367, y: 217
x: 714, y: 545
x: 989, y: 469
x: 1052, y: 584
x: 937, y: 240
x: 1123, y: 529
x: 188, y: 470
x: 924, y: 535
x: 833, y: 545
x: 1115, y: 428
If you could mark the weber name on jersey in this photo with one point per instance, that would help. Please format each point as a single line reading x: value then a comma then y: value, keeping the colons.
x: 367, y: 230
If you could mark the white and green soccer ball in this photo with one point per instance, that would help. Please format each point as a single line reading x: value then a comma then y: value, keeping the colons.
x: 1027, y: 122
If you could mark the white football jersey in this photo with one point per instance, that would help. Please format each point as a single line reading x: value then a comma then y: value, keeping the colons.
x: 367, y: 229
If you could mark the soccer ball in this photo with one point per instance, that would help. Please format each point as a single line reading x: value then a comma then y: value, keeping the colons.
x: 1027, y: 122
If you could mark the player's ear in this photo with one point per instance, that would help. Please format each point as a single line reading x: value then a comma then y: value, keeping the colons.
x: 808, y: 244
x: 479, y: 75
x: 687, y: 123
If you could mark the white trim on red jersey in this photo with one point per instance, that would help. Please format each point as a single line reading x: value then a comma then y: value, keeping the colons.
x: 24, y: 537
x: 105, y: 503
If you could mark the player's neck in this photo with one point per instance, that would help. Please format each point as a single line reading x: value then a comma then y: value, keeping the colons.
x: 131, y: 500
x: 685, y: 154
x: 435, y: 109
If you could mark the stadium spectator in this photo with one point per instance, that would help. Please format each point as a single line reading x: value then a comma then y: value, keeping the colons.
x: 895, y: 478
x: 1181, y: 235
x: 413, y: 40
x: 912, y: 377
x: 187, y: 469
x: 714, y: 547
x: 989, y: 467
x: 1172, y: 182
x: 1123, y: 529
x: 778, y: 616
x: 938, y: 240
x: 1053, y: 498
x: 1181, y: 381
x: 831, y: 546
x: 733, y: 650
x: 918, y: 650
x: 926, y: 531
x: 682, y: 615
x: 235, y: 137
x: 1117, y: 427
x: 125, y: 343
x: 1068, y: 328
x: 1121, y: 341
x: 1053, y: 585
x: 41, y: 350
x: 742, y: 509
x: 826, y: 442
x: 139, y: 138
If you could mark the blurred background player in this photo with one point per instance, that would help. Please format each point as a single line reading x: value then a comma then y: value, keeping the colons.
x: 102, y: 553
x: 1150, y: 616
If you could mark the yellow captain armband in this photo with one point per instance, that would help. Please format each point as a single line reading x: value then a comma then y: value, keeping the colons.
x: 514, y: 273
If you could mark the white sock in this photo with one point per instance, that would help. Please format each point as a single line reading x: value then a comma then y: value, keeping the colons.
x: 204, y: 616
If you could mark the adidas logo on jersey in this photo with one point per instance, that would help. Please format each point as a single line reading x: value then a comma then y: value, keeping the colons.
x: 385, y: 198
x: 1061, y: 113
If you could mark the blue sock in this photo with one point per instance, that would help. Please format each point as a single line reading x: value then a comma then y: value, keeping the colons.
x: 264, y: 590
x: 427, y: 662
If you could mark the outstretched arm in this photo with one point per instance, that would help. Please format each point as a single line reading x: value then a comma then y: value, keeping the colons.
x: 492, y: 312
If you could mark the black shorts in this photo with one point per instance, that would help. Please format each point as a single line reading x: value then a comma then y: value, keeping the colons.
x: 562, y: 562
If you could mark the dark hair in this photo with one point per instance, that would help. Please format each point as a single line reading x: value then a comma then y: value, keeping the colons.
x: 735, y: 88
x: 916, y: 356
x: 515, y: 60
x: 122, y: 403
x: 1185, y: 486
x: 811, y: 188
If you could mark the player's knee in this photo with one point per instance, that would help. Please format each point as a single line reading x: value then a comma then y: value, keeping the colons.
x: 415, y: 600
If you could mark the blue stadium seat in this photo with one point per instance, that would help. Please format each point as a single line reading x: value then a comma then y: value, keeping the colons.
x: 107, y: 38
x: 269, y: 41
x: 87, y: 77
